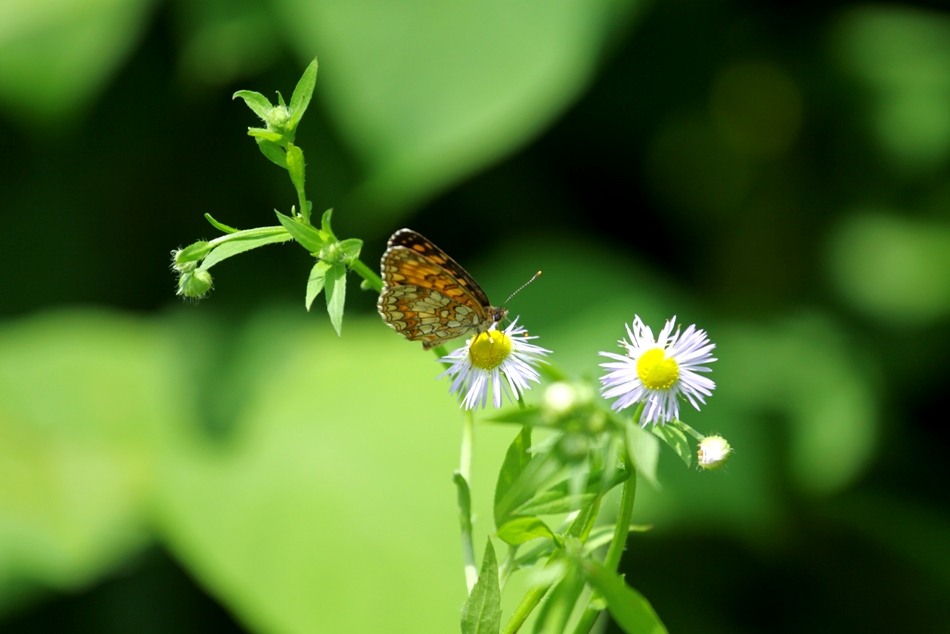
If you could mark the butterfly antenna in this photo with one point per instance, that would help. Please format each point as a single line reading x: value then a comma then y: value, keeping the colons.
x: 536, y: 275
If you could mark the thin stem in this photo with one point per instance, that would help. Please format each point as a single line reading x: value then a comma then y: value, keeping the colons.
x: 465, y: 471
x: 247, y: 234
x: 304, y: 207
x: 528, y: 603
x: 621, y: 530
x: 468, y: 441
x: 375, y: 282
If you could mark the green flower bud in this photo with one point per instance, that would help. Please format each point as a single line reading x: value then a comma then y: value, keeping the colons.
x: 713, y: 452
x: 194, y: 284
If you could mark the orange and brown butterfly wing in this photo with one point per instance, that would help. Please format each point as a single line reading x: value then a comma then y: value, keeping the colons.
x: 425, y: 301
x: 420, y: 244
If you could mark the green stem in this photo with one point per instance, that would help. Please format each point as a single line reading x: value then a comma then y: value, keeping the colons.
x: 621, y: 530
x: 367, y: 274
x: 465, y: 470
x: 528, y: 603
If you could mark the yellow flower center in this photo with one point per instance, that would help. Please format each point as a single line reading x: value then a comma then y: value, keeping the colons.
x: 656, y: 371
x: 489, y: 349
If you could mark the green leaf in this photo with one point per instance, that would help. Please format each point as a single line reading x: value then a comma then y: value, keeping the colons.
x: 602, y: 535
x: 261, y: 133
x: 630, y: 609
x: 308, y: 237
x: 676, y: 439
x: 516, y: 459
x: 317, y: 279
x: 234, y: 247
x: 302, y: 94
x: 583, y: 524
x: 351, y: 247
x: 529, y: 415
x: 257, y: 102
x: 558, y: 498
x: 559, y: 604
x: 644, y: 450
x: 524, y: 529
x: 274, y: 153
x: 193, y: 252
x: 325, y: 222
x: 220, y: 226
x: 336, y: 295
x: 481, y: 613
x: 296, y: 166
x: 427, y: 92
x: 55, y: 57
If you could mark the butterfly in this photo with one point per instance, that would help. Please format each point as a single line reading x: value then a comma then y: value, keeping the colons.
x: 427, y: 296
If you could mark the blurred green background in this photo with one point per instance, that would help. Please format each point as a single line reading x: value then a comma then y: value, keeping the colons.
x: 778, y: 173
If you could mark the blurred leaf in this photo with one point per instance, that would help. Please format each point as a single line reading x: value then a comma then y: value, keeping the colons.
x: 336, y: 295
x: 583, y: 524
x: 524, y: 529
x: 530, y: 416
x: 73, y: 45
x: 464, y: 498
x: 676, y: 439
x: 318, y: 275
x: 516, y: 459
x: 237, y: 246
x: 632, y: 612
x: 282, y: 523
x: 559, y: 603
x: 644, y: 451
x: 427, y: 92
x: 224, y: 41
x: 892, y: 267
x: 902, y: 56
x: 481, y: 614
x: 86, y: 399
x: 560, y: 499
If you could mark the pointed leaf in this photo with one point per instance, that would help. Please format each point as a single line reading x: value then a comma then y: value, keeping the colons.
x: 676, y: 439
x: 481, y: 613
x: 318, y: 275
x: 257, y: 102
x: 584, y: 522
x: 630, y: 609
x: 524, y: 529
x: 296, y: 166
x: 558, y: 498
x: 220, y: 226
x: 261, y: 133
x: 336, y: 295
x: 325, y: 222
x: 516, y: 459
x: 351, y: 247
x: 234, y: 247
x: 644, y: 450
x: 193, y: 252
x: 302, y: 93
x: 559, y: 604
x: 274, y: 153
x: 306, y: 235
x: 464, y: 502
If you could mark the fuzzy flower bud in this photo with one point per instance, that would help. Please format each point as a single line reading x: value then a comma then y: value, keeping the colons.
x: 194, y: 284
x: 713, y: 452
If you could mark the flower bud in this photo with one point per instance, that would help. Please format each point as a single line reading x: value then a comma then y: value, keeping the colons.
x: 194, y: 284
x: 713, y: 452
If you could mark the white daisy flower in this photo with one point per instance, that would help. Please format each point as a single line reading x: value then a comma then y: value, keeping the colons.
x: 482, y: 361
x: 658, y: 371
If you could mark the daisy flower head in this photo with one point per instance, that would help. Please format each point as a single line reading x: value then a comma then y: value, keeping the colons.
x: 499, y: 361
x: 657, y: 372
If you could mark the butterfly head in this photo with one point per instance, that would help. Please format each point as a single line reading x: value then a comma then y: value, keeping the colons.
x: 497, y: 315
